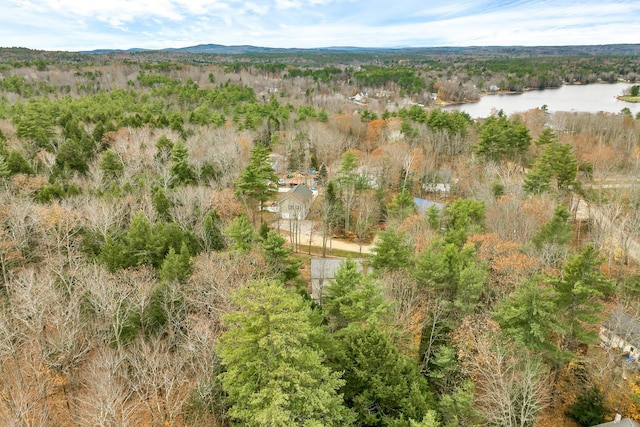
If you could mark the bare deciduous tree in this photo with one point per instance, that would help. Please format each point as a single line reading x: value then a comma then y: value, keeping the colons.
x: 328, y: 143
x: 514, y: 219
x: 160, y: 379
x: 215, y: 276
x: 512, y: 386
x: 106, y: 398
x: 101, y: 215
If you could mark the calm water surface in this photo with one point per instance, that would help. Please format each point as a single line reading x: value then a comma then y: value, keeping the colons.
x: 580, y: 98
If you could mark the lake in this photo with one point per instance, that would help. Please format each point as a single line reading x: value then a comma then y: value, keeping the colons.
x: 590, y: 98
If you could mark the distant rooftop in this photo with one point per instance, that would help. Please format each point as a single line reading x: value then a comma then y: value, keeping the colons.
x: 624, y: 422
x: 624, y: 325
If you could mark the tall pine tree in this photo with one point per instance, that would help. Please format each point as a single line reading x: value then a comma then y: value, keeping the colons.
x: 258, y: 181
x: 274, y: 367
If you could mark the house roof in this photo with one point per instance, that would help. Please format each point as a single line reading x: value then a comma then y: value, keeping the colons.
x: 625, y: 422
x: 300, y: 192
x: 624, y: 326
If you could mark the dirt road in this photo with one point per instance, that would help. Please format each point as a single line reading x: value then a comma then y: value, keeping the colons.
x: 309, y: 235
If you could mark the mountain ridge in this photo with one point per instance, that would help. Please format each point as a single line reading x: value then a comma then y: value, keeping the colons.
x: 212, y: 48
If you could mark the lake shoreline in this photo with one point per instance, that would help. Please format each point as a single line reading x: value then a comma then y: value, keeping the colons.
x: 629, y: 98
x: 593, y: 97
x: 520, y: 92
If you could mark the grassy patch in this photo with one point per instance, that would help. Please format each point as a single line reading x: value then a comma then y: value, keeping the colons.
x: 337, y: 253
x: 629, y: 98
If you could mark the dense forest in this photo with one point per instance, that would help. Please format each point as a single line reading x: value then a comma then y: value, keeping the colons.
x: 145, y: 280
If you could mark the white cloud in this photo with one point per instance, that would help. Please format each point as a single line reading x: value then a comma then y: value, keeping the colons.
x: 288, y: 4
x: 445, y: 9
x: 259, y: 9
x: 88, y: 24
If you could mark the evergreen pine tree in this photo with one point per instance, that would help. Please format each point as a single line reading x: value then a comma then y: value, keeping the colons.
x: 165, y: 304
x: 456, y: 274
x: 164, y: 146
x: 18, y: 164
x: 181, y: 171
x: 353, y: 298
x: 278, y: 257
x: 553, y: 238
x: 161, y: 203
x: 391, y: 251
x: 71, y: 156
x: 138, y: 239
x: 275, y: 373
x: 556, y: 168
x: 581, y: 289
x: 530, y: 316
x: 547, y: 136
x: 503, y: 139
x: 401, y: 206
x: 258, y: 181
x: 323, y: 174
x: 212, y: 236
x: 382, y: 386
x: 111, y: 165
x: 176, y: 267
x: 114, y: 254
x: 4, y: 167
x: 263, y: 231
x: 589, y: 409
x: 241, y: 232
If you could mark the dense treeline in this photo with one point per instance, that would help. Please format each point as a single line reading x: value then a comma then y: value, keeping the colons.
x: 510, y: 69
x: 144, y: 285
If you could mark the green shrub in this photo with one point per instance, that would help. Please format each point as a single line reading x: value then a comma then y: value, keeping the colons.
x: 589, y: 409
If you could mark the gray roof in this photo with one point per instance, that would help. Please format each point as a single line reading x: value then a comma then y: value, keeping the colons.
x: 300, y: 192
x: 625, y: 422
x: 624, y: 326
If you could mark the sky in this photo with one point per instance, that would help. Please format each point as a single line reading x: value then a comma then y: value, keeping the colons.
x: 75, y: 25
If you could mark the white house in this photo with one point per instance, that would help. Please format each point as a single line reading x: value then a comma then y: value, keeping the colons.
x: 296, y: 202
x: 622, y: 331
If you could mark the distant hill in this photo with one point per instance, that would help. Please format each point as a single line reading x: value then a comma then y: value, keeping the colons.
x: 217, y: 49
x: 106, y: 51
x: 319, y: 57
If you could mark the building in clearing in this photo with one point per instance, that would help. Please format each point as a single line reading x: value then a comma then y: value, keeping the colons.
x: 296, y: 202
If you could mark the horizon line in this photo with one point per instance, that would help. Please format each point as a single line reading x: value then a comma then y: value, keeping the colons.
x: 336, y: 47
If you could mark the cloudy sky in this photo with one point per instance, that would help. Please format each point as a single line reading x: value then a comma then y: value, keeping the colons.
x: 122, y: 24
